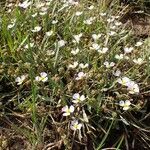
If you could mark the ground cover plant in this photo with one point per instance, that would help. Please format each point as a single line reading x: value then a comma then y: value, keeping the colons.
x: 72, y: 77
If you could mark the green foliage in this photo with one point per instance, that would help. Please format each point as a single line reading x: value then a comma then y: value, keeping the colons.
x: 55, y: 55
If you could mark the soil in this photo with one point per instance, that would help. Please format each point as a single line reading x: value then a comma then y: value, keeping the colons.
x: 138, y: 20
x: 140, y: 24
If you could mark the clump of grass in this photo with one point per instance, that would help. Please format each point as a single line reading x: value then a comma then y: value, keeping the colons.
x: 74, y: 70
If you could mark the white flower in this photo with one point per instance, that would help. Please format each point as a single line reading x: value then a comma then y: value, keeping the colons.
x: 116, y: 17
x: 29, y: 45
x: 96, y: 36
x: 75, y: 52
x: 77, y: 38
x: 125, y: 104
x: 103, y: 14
x: 75, y: 125
x: 43, y: 13
x: 103, y: 51
x: 83, y: 65
x: 39, y: 4
x: 80, y: 75
x: 75, y: 64
x: 113, y: 27
x: 10, y: 5
x: 54, y: 21
x: 36, y: 29
x: 77, y: 98
x: 138, y: 43
x: 78, y: 13
x: 117, y: 73
x: 133, y: 88
x: 10, y: 26
x: 112, y: 33
x: 119, y: 57
x: 124, y: 81
x: 61, y: 43
x: 44, y: 9
x: 118, y: 23
x: 48, y: 3
x: 91, y: 7
x: 67, y: 110
x: 109, y: 65
x: 49, y: 33
x: 34, y: 15
x: 89, y: 21
x: 73, y: 2
x: 50, y: 52
x: 9, y: 10
x: 126, y: 57
x: 25, y: 4
x: 20, y: 80
x: 43, y: 77
x: 95, y: 46
x: 128, y: 49
x: 109, y: 20
x: 138, y: 61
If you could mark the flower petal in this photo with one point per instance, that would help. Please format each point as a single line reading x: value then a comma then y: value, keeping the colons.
x: 82, y: 98
x: 66, y: 114
x: 71, y: 108
x: 76, y: 96
x: 43, y: 74
x: 127, y: 103
x: 121, y: 103
x: 64, y: 109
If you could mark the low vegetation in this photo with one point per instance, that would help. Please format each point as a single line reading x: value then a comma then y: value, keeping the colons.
x: 72, y: 76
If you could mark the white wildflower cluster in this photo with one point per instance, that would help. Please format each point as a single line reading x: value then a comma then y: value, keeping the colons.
x: 77, y: 38
x: 49, y: 33
x: 61, y: 43
x: 109, y: 64
x: 25, y: 4
x: 132, y: 87
x: 68, y: 110
x: 117, y: 73
x: 75, y: 125
x: 75, y: 51
x: 89, y: 21
x: 41, y: 7
x: 20, y: 79
x: 91, y: 7
x: 138, y: 61
x: 43, y: 77
x: 80, y: 76
x: 96, y: 46
x: 30, y: 45
x: 79, y: 13
x: 127, y: 52
x: 76, y: 64
x: 125, y: 104
x: 12, y: 24
x: 77, y: 98
x: 36, y: 29
x: 113, y: 24
x: 98, y: 42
